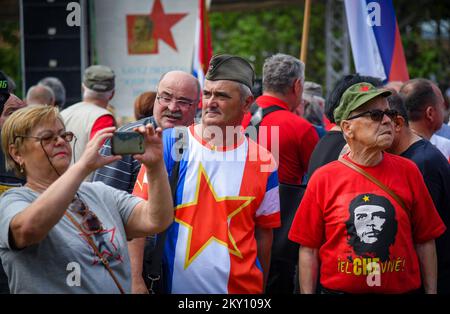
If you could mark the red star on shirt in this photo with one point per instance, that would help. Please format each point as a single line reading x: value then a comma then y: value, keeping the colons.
x: 207, y: 218
x: 162, y: 23
x: 105, y: 241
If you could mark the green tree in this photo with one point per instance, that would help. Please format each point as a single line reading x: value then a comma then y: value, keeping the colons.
x: 256, y: 35
x: 10, y: 52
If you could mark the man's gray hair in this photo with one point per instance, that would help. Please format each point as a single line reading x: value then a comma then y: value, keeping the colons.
x: 89, y: 93
x: 40, y: 95
x: 58, y: 89
x: 244, y: 91
x: 280, y: 71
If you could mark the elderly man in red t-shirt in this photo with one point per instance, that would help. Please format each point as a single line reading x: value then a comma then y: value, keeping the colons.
x: 367, y: 220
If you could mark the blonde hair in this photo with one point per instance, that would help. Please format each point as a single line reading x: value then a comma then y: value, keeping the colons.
x: 22, y: 122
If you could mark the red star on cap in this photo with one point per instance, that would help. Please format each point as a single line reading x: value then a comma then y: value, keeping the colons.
x: 162, y: 24
x: 364, y: 88
x: 207, y: 218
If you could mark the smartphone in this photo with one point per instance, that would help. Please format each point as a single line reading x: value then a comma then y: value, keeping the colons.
x: 127, y: 143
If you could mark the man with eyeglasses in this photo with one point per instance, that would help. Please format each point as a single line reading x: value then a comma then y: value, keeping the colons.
x: 323, y: 225
x: 178, y: 94
x: 227, y: 199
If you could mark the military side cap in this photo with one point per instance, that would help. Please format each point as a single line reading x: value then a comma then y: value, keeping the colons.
x: 230, y: 68
x: 356, y: 96
x: 99, y: 78
x: 4, y: 84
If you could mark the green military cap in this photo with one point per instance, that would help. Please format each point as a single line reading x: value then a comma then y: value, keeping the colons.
x: 99, y: 78
x: 355, y: 96
x: 230, y: 68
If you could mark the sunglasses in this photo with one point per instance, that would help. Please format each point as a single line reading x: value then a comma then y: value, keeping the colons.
x: 377, y: 114
x: 90, y: 222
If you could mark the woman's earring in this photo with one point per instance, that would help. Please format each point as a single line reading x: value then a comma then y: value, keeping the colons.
x: 21, y: 168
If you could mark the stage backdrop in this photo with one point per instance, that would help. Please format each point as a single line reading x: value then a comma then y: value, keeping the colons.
x: 142, y: 39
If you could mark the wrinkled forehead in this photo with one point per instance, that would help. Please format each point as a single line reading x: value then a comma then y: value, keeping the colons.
x: 369, y: 209
x: 54, y: 125
x: 179, y: 86
x: 221, y: 85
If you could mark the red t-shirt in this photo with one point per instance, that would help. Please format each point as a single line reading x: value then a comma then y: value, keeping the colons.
x: 353, y: 223
x: 296, y: 139
x: 101, y: 123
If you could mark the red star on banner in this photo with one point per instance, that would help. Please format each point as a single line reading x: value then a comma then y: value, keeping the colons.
x: 207, y: 218
x: 162, y: 23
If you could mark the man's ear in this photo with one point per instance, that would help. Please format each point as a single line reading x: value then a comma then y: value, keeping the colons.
x: 298, y: 87
x: 399, y: 122
x: 429, y: 113
x: 112, y: 94
x: 248, y: 102
x: 346, y: 127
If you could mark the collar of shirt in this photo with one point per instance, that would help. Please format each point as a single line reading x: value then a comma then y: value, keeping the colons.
x: 267, y: 101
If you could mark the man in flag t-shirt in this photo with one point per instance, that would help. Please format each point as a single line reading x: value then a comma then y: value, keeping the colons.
x: 366, y: 238
x: 227, y: 199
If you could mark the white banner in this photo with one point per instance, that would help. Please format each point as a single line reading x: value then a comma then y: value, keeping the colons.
x: 142, y: 39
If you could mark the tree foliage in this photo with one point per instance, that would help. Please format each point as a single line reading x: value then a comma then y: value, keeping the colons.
x: 10, y: 52
x: 258, y: 34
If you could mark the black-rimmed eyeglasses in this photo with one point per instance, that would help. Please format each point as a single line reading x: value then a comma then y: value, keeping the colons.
x: 377, y: 114
x: 166, y: 101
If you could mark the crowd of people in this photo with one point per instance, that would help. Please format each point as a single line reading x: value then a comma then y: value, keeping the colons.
x: 237, y: 191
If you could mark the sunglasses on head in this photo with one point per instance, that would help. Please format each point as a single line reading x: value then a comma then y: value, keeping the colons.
x: 377, y: 114
x: 90, y: 222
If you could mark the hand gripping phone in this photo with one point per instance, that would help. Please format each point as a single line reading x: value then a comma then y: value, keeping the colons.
x: 127, y: 143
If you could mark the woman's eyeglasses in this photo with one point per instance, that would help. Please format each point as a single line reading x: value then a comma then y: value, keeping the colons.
x: 90, y: 222
x: 49, y: 138
x: 377, y: 114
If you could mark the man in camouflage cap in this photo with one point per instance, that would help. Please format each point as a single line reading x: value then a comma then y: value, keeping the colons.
x: 228, y: 193
x: 352, y: 186
x: 88, y: 117
x: 355, y: 97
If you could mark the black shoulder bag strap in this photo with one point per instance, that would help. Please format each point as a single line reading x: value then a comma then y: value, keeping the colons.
x: 258, y: 115
x: 155, y: 270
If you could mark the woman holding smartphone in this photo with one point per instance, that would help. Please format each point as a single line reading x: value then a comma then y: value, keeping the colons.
x: 59, y: 234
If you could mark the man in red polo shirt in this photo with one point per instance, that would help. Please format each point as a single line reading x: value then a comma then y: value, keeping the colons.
x: 291, y: 139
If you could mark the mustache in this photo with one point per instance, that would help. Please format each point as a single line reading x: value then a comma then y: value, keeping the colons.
x: 212, y: 110
x: 173, y: 115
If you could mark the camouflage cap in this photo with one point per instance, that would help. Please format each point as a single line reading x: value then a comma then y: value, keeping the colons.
x: 356, y: 96
x: 99, y: 78
x: 230, y: 68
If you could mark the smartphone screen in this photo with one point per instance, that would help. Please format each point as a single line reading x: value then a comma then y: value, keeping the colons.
x: 127, y: 143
